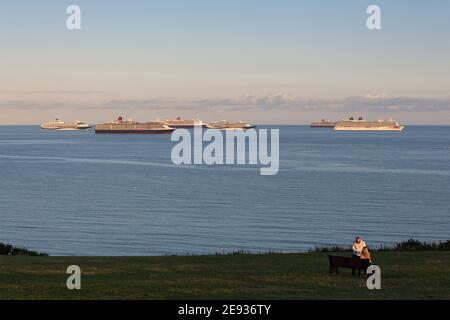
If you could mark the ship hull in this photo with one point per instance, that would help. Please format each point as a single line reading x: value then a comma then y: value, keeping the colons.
x: 323, y: 125
x: 185, y: 126
x: 71, y: 129
x: 231, y: 129
x: 368, y: 129
x: 65, y: 129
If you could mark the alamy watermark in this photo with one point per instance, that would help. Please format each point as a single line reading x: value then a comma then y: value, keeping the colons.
x: 373, y: 277
x: 374, y: 19
x: 74, y: 280
x: 207, y: 147
x: 73, y: 22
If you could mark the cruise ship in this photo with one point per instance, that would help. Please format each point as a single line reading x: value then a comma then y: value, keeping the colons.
x: 360, y: 124
x: 60, y: 125
x: 182, y: 123
x: 225, y: 125
x: 121, y: 126
x: 323, y: 124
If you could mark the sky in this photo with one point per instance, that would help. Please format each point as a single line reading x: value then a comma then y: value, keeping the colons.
x: 266, y: 61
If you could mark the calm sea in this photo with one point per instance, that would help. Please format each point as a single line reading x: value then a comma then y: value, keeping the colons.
x: 75, y: 193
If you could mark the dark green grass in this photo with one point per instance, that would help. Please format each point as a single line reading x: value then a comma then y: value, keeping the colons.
x: 405, y: 275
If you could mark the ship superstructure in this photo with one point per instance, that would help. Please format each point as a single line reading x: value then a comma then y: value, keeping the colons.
x: 183, y: 123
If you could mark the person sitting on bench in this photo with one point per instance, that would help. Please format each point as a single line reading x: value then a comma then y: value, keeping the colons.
x: 358, y: 247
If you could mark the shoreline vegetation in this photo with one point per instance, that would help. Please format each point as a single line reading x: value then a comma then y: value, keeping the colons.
x: 10, y: 250
x: 408, y: 245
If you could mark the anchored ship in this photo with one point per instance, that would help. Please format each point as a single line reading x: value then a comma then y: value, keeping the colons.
x: 360, y: 124
x: 225, y: 125
x: 182, y: 123
x: 121, y: 126
x: 60, y: 125
x: 323, y: 124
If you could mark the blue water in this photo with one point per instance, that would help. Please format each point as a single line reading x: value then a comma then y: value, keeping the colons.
x: 75, y: 193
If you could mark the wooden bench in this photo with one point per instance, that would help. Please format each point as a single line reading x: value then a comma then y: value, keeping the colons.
x: 349, y: 263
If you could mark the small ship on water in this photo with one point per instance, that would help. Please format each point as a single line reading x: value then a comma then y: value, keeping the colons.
x: 360, y: 124
x: 60, y: 125
x: 121, y: 126
x: 323, y: 124
x: 230, y: 126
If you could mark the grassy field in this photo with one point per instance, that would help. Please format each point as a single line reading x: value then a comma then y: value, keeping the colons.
x: 405, y: 275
